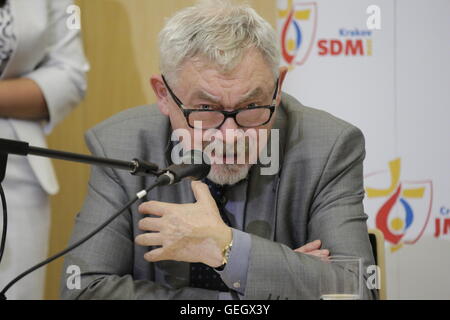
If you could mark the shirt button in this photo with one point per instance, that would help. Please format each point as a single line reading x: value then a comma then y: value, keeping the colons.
x: 237, y: 285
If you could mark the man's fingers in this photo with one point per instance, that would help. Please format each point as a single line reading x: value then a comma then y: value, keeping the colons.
x: 150, y: 224
x: 311, y: 246
x: 319, y: 253
x: 316, y: 253
x: 201, y: 192
x: 155, y: 255
x: 149, y: 239
x: 156, y: 208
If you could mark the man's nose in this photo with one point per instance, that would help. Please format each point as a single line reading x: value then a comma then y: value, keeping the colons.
x: 230, y: 125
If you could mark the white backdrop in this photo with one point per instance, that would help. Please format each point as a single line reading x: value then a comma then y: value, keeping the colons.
x: 394, y: 84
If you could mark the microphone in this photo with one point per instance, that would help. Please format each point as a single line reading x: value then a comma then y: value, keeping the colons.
x: 194, y: 165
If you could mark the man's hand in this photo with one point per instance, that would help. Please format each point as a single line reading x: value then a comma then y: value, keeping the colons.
x: 192, y: 232
x: 313, y: 248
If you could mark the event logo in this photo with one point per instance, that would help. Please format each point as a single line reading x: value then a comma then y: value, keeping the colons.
x: 350, y: 42
x: 403, y: 209
x: 298, y: 27
x: 298, y: 24
x: 442, y: 223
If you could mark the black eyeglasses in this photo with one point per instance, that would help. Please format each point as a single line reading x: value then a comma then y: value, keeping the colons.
x: 249, y: 117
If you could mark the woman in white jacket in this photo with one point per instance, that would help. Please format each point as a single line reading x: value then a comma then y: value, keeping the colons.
x: 42, y: 77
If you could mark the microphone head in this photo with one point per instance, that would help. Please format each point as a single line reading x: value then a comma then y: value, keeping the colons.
x: 194, y: 165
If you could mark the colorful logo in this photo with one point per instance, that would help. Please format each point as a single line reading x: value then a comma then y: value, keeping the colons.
x: 298, y: 27
x: 402, y: 210
x: 298, y: 30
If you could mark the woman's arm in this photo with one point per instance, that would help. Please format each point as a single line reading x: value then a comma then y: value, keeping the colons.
x: 61, y: 75
x: 22, y: 99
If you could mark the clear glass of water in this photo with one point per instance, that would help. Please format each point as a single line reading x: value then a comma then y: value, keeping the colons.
x: 341, y: 278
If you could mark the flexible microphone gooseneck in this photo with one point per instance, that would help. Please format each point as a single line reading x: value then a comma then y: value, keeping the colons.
x: 171, y: 175
x: 194, y: 165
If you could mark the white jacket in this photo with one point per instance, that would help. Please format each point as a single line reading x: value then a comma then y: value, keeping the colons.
x: 51, y: 54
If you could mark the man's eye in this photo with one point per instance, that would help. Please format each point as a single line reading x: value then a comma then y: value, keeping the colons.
x: 252, y: 105
x: 206, y: 107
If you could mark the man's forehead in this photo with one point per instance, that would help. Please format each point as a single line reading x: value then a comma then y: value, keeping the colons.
x: 249, y: 58
x: 252, y: 93
x: 250, y: 67
x: 203, y: 80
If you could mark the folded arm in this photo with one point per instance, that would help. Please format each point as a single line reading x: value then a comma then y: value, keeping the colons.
x: 22, y: 99
x: 337, y: 218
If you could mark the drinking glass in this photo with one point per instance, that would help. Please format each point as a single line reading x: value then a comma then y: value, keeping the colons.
x: 341, y: 278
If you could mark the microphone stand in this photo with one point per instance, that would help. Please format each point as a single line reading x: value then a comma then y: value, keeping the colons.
x: 135, y: 167
x: 3, y: 161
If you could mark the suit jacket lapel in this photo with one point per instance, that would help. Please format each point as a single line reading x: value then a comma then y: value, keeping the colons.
x: 260, y: 212
x: 262, y: 193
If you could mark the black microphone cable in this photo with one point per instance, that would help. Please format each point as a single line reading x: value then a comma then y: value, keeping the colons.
x: 162, y: 180
x: 5, y: 223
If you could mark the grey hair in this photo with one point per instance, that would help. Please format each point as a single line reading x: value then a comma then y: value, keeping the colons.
x: 218, y: 31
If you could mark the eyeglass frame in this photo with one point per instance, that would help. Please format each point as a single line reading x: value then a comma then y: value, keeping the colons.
x: 227, y: 114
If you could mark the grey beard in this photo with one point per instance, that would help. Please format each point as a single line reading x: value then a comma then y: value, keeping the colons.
x: 228, y: 174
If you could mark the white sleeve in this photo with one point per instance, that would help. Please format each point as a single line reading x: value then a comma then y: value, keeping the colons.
x: 61, y: 75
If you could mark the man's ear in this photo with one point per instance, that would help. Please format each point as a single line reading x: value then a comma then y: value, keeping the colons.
x: 161, y: 94
x: 283, y: 73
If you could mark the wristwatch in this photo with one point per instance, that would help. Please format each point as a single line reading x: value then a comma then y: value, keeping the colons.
x: 225, y: 254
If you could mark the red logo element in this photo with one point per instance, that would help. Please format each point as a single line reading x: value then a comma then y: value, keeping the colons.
x: 404, y: 207
x: 298, y: 31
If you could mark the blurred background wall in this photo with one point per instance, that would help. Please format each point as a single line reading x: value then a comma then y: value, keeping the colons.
x: 120, y: 40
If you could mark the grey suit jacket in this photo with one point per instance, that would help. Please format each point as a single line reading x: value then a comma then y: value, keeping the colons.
x: 318, y: 194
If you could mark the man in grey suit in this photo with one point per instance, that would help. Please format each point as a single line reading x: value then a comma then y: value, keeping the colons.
x: 234, y: 235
